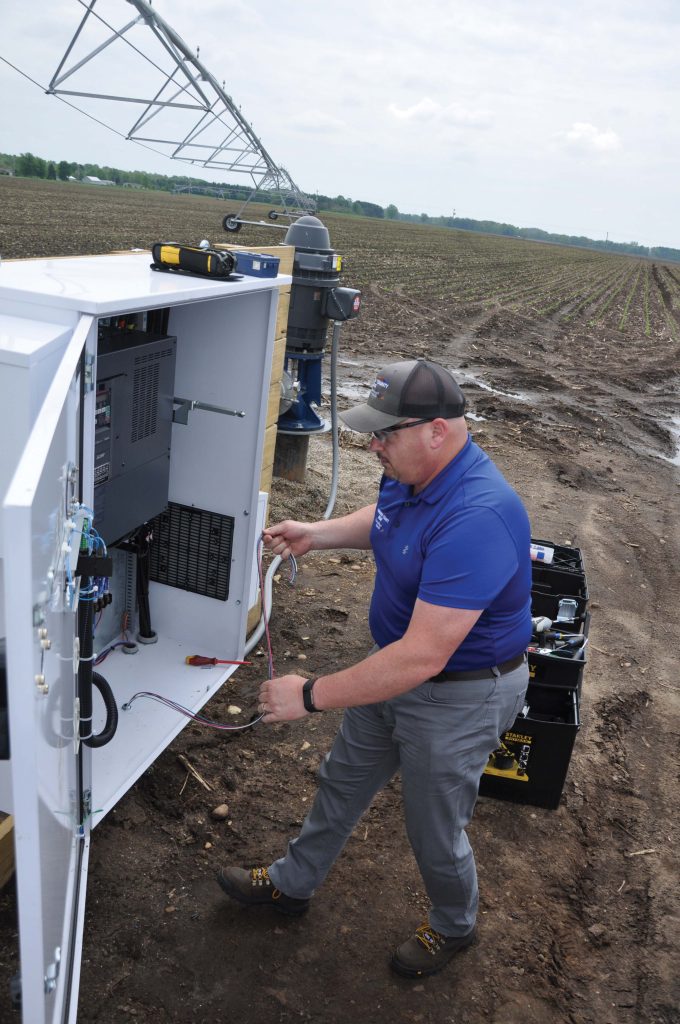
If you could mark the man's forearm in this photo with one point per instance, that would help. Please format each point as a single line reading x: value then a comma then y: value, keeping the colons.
x: 351, y: 531
x: 434, y: 633
x: 381, y: 676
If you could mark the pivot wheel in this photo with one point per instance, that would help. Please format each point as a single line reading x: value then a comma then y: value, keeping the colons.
x: 273, y: 215
x: 230, y: 223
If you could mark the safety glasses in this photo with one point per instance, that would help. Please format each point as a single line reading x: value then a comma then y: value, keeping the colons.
x: 383, y: 435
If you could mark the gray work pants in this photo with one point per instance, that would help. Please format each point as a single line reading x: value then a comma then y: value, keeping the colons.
x: 439, y: 735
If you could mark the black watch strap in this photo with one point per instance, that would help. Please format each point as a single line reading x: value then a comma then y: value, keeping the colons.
x: 308, y: 696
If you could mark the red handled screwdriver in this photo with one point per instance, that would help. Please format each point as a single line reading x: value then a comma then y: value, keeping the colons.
x: 200, y: 659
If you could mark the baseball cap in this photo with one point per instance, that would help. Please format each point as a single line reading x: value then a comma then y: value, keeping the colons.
x: 410, y: 388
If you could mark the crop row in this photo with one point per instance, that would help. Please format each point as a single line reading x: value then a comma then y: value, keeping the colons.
x: 456, y: 275
x: 467, y: 276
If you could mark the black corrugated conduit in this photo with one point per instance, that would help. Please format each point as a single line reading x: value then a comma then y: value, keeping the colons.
x: 87, y: 678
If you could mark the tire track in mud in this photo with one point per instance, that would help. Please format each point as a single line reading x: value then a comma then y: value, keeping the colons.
x: 632, y: 744
x: 622, y: 842
x: 666, y: 296
x: 636, y: 413
x: 509, y: 329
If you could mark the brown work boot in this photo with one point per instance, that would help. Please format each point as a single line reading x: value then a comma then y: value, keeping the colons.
x: 428, y: 951
x: 256, y: 889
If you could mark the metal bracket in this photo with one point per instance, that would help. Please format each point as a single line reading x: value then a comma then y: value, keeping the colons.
x: 187, y: 405
x: 52, y: 972
x: 89, y: 372
x: 76, y: 724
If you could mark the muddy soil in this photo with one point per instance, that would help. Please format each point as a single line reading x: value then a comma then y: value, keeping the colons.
x: 580, y: 914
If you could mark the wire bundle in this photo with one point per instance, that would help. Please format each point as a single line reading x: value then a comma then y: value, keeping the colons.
x: 202, y: 660
x: 200, y: 719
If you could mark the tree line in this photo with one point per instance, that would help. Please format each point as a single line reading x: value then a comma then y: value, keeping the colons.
x: 28, y: 165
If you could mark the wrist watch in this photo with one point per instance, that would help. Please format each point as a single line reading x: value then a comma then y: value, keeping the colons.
x: 308, y: 696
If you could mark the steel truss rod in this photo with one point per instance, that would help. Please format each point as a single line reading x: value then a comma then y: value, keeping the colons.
x: 186, y: 88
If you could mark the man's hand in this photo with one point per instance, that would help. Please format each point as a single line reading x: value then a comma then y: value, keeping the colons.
x: 289, y: 538
x: 281, y: 699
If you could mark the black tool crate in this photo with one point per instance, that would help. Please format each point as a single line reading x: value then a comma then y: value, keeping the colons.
x: 559, y: 668
x: 547, y: 602
x: 530, y: 766
x: 565, y: 575
x: 564, y: 559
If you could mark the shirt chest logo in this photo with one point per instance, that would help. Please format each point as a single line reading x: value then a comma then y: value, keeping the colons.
x: 381, y: 520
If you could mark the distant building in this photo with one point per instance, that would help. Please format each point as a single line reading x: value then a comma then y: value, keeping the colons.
x: 92, y: 179
x: 7, y: 170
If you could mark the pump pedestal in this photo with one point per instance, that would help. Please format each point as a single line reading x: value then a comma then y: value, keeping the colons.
x: 290, y: 456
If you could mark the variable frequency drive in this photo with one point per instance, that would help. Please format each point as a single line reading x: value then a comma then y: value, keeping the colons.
x: 133, y: 423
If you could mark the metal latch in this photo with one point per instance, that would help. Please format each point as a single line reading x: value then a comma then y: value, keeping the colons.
x: 187, y: 405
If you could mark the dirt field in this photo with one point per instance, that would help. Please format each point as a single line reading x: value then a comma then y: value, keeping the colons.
x: 570, y: 363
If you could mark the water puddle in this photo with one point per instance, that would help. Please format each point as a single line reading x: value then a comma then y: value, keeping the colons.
x: 359, y: 392
x: 518, y: 396
x: 354, y: 391
x: 672, y: 425
x: 674, y: 428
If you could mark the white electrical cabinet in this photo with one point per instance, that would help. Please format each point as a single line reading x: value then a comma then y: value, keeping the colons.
x: 53, y: 317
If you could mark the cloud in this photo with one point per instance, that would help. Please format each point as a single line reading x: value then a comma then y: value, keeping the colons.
x: 586, y: 138
x: 428, y: 110
x: 316, y: 122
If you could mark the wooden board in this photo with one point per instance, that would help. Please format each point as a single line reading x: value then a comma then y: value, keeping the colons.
x: 286, y: 254
x: 6, y: 848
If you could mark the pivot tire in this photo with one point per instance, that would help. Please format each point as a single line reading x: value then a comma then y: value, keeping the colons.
x: 230, y: 223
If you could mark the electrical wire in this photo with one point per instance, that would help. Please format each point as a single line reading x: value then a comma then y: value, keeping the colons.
x: 105, y: 653
x: 199, y: 719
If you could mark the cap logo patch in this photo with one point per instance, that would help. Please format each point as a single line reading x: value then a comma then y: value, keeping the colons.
x: 379, y: 385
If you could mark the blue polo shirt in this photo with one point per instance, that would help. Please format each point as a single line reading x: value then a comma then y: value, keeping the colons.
x: 462, y: 542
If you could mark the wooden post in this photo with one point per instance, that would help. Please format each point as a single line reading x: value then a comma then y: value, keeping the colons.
x: 290, y: 456
x: 6, y: 849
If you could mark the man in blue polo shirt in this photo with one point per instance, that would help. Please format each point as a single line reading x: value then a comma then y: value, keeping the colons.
x: 450, y: 616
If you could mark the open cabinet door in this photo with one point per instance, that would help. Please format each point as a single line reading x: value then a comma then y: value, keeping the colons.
x: 48, y: 787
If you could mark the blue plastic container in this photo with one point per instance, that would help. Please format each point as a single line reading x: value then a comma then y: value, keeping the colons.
x: 255, y: 264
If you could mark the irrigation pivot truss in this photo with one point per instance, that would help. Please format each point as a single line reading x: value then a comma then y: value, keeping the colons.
x: 179, y: 107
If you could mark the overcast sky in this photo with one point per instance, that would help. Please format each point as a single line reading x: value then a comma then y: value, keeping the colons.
x: 562, y: 116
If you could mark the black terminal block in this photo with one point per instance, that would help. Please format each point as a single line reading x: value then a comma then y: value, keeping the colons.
x: 94, y: 565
